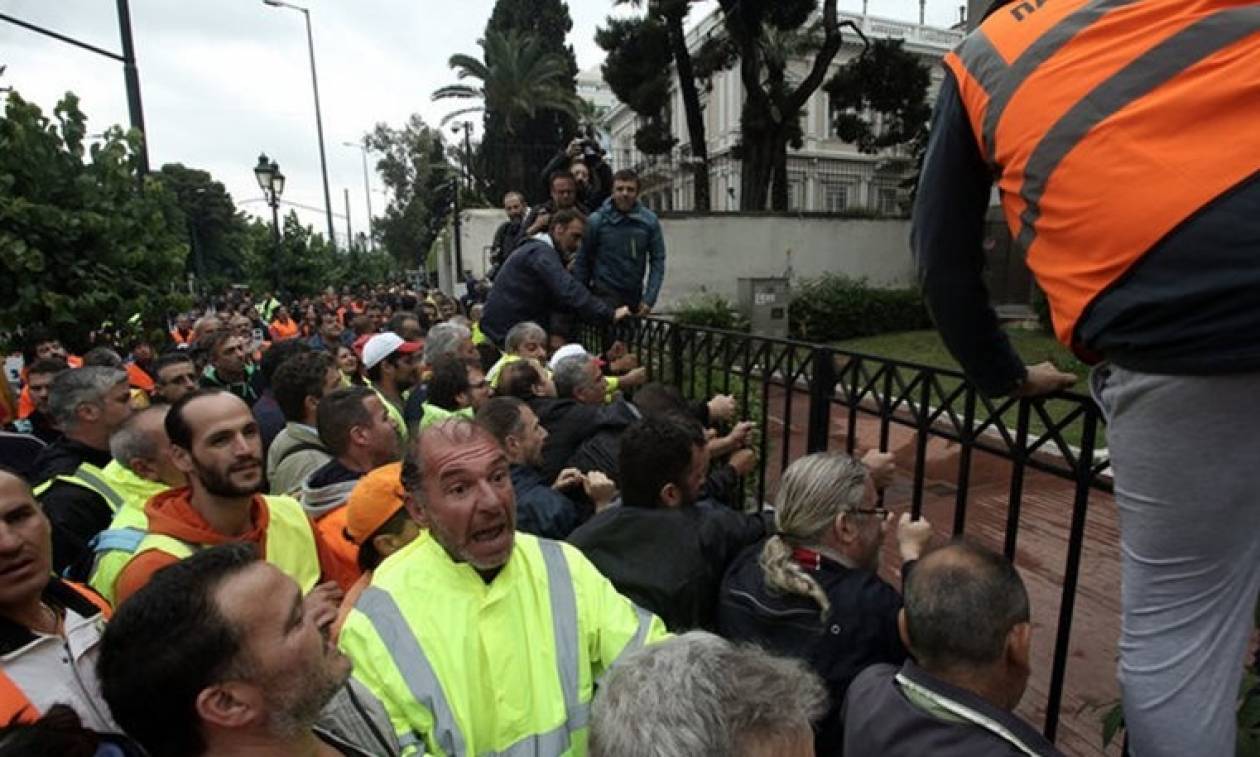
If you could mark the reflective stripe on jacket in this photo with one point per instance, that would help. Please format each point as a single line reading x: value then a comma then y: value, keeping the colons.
x: 290, y: 543
x: 507, y: 668
x: 1108, y: 125
x: 115, y: 545
x: 91, y: 478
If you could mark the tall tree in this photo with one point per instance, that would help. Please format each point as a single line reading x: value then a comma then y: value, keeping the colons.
x: 517, y: 78
x: 216, y: 232
x: 418, y: 176
x: 880, y: 104
x: 82, y: 240
x: 637, y: 48
x: 770, y: 120
x: 537, y: 139
x: 879, y: 98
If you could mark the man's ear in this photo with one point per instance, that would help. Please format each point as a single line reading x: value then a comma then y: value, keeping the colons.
x: 670, y: 495
x: 846, y: 529
x: 418, y: 512
x: 88, y: 412
x: 182, y: 459
x: 903, y: 629
x: 143, y: 468
x: 230, y: 705
x: 1019, y: 647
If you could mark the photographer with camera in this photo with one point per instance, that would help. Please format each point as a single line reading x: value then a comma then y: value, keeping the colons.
x: 584, y: 158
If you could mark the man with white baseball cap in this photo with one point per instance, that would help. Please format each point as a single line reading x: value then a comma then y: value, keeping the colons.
x: 391, y: 370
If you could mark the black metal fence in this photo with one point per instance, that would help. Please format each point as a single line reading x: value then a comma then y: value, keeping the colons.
x: 824, y: 387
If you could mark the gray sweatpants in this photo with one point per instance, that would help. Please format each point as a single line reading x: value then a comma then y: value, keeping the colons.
x: 1185, y: 452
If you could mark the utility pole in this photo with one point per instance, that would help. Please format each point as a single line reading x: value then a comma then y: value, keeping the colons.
x: 131, y: 74
x: 459, y: 243
x: 349, y: 233
x: 132, y: 77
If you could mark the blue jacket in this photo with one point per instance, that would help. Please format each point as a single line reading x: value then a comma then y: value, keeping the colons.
x: 532, y: 284
x: 618, y: 249
x: 541, y: 510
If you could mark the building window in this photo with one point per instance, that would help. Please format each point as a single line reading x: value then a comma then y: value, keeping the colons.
x: 796, y: 194
x: 837, y: 196
x: 888, y: 204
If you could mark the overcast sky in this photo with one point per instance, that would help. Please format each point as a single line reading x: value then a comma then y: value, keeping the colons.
x: 223, y: 80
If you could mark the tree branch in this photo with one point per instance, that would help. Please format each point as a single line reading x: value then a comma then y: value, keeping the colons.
x: 822, y: 61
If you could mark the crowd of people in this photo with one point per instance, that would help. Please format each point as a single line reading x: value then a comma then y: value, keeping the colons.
x: 401, y: 524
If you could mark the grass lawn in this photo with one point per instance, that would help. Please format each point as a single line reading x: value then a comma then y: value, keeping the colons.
x: 925, y: 347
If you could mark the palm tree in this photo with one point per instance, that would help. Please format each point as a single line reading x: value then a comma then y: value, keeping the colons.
x: 517, y: 79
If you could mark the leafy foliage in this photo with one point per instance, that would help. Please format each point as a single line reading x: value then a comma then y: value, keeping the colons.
x: 218, y: 236
x: 638, y: 70
x: 514, y: 160
x: 518, y: 78
x: 887, y: 83
x: 711, y: 311
x: 83, y: 241
x: 768, y: 35
x: 415, y: 168
x: 834, y: 307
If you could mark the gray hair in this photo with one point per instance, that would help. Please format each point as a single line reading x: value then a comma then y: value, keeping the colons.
x: 130, y: 441
x: 78, y: 386
x: 814, y: 490
x: 571, y: 374
x: 525, y: 331
x: 444, y: 339
x: 698, y: 695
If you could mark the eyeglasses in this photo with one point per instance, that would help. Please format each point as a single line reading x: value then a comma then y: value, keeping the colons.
x: 878, y: 512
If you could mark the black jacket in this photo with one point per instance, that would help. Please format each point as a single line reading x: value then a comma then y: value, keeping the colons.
x: 77, y: 514
x: 532, y: 284
x: 541, y: 510
x: 669, y: 560
x: 570, y: 424
x: 881, y: 719
x: 860, y: 630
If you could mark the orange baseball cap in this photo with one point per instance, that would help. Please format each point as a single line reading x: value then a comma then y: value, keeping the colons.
x: 373, y: 501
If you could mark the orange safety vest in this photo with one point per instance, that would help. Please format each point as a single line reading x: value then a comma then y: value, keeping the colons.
x: 281, y: 330
x: 1108, y: 123
x: 15, y: 706
x: 180, y: 339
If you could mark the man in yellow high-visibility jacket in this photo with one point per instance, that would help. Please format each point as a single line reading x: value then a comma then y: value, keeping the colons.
x: 479, y: 639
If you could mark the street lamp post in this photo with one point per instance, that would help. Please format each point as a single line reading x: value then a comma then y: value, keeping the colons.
x: 271, y: 182
x: 367, y: 191
x: 319, y: 121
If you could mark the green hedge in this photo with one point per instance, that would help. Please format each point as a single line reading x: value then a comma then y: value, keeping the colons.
x: 709, y: 311
x: 833, y: 307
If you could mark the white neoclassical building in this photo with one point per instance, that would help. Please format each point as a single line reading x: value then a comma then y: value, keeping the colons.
x: 826, y: 175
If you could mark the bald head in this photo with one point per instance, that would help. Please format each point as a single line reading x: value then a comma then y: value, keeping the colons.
x: 142, y: 447
x: 961, y: 603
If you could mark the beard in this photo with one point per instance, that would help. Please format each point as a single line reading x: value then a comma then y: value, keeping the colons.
x: 294, y: 705
x: 219, y: 482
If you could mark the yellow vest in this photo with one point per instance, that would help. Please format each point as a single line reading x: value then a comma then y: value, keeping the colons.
x: 395, y: 415
x: 115, y: 545
x: 434, y: 414
x: 91, y: 478
x: 290, y: 543
x: 468, y: 668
